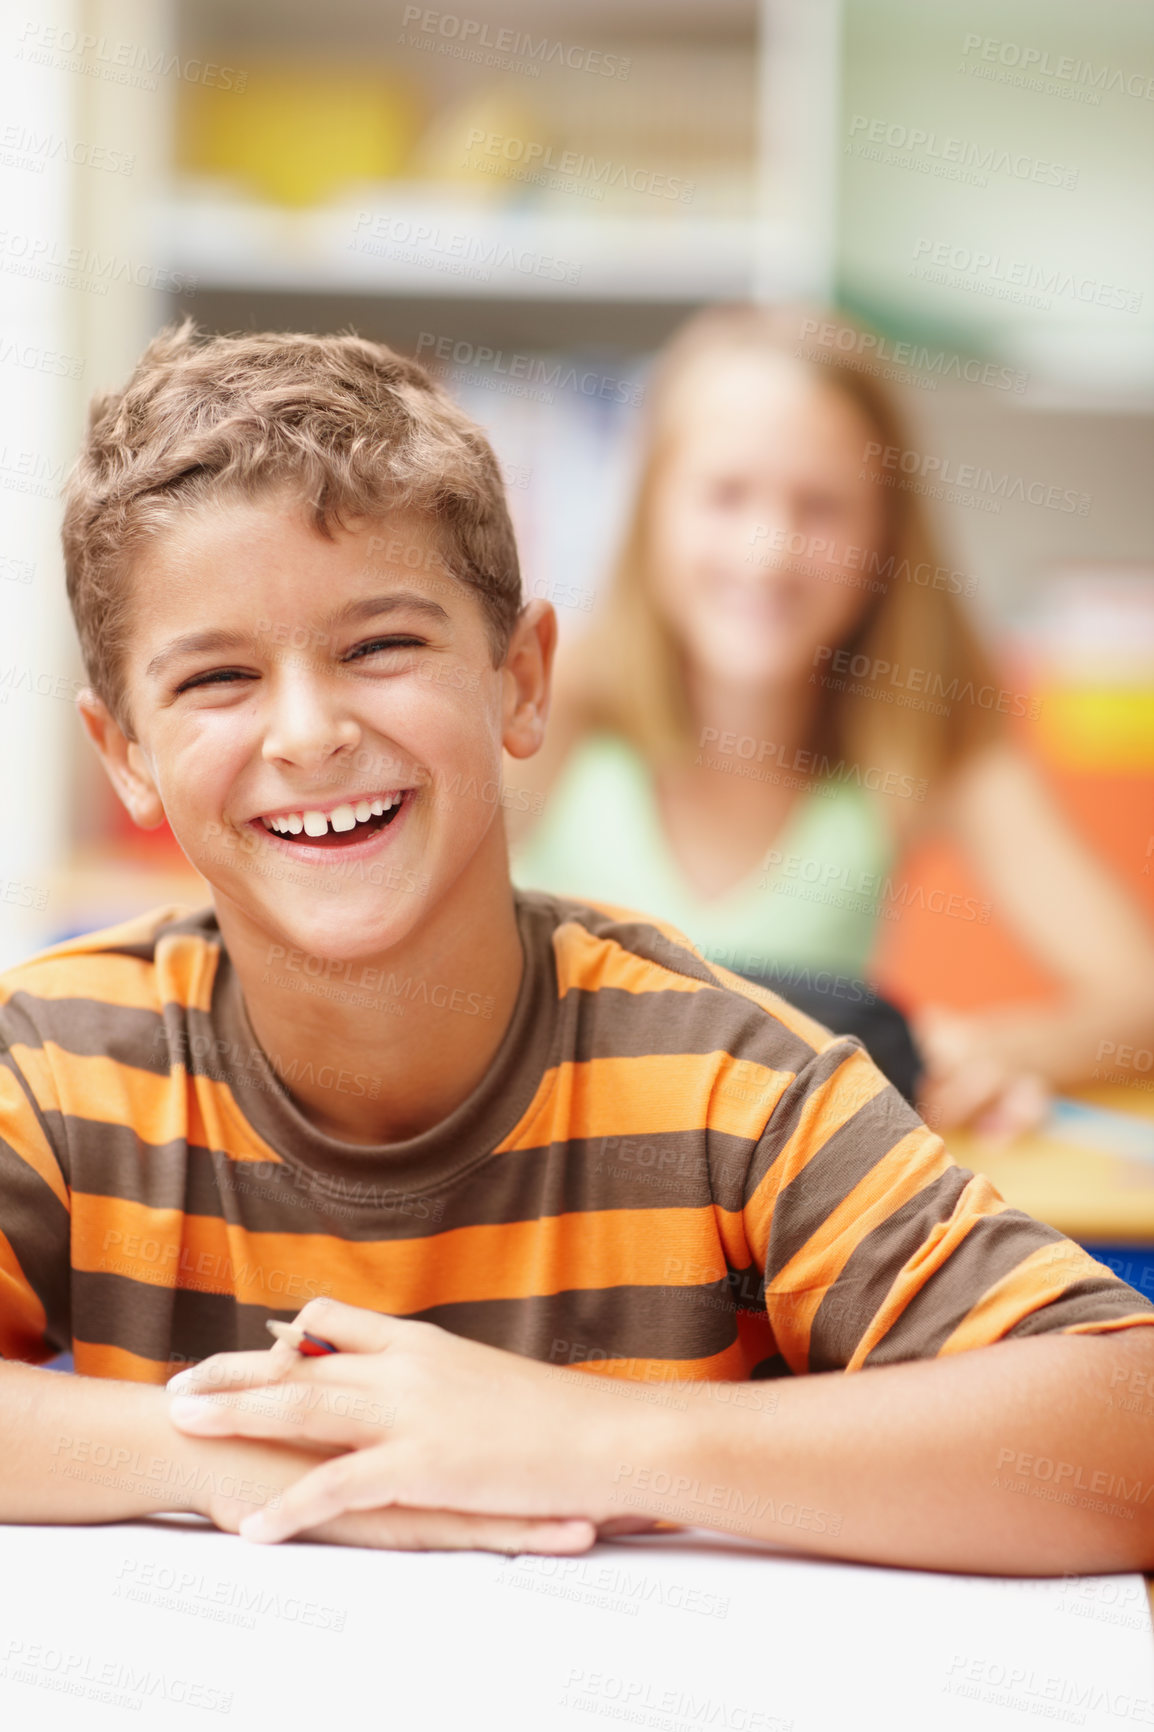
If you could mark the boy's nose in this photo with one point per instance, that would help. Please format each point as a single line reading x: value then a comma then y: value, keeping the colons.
x: 306, y: 724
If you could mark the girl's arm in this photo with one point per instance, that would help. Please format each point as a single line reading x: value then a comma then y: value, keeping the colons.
x: 1064, y: 907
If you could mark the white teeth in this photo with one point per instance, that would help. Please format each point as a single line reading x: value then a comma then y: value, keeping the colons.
x: 341, y: 818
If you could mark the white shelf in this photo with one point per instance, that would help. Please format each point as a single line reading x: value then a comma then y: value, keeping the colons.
x: 410, y: 241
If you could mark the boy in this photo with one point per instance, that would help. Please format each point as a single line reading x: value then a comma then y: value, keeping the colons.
x: 486, y: 1135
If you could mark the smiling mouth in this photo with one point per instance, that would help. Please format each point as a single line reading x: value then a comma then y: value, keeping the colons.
x: 346, y: 836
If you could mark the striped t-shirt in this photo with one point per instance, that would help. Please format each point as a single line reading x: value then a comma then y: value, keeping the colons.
x: 666, y: 1172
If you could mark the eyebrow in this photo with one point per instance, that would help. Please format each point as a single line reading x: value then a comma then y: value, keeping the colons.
x: 353, y: 612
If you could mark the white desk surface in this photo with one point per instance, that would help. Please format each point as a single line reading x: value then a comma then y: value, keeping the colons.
x: 191, y: 1629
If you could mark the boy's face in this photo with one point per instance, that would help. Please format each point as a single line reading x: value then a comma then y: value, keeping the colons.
x: 275, y: 675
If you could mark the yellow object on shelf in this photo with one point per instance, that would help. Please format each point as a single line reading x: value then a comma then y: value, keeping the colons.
x: 298, y: 134
x: 489, y: 141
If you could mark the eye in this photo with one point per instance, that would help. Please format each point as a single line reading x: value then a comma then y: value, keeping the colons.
x: 386, y: 643
x: 217, y: 677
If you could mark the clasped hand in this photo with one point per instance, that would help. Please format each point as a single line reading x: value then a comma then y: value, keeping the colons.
x: 452, y: 1443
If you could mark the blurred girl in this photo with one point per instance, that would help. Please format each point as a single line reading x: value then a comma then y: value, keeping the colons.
x: 727, y: 750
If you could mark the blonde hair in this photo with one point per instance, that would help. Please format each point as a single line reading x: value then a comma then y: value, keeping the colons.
x: 353, y: 429
x: 628, y: 672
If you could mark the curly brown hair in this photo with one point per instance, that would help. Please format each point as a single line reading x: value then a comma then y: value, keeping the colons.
x: 353, y: 429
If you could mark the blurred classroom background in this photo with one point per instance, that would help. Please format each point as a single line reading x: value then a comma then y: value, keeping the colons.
x: 532, y: 198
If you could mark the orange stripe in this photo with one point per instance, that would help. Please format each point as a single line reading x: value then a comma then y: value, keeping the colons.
x: 825, y: 1110
x: 105, y: 1091
x: 94, y: 1359
x: 123, y: 982
x: 604, y: 1097
x: 513, y: 1260
x: 731, y: 1232
x: 588, y: 963
x: 1035, y: 1281
x: 868, y: 1206
x: 22, y: 1129
x: 1110, y: 1323
x: 113, y: 1236
x: 185, y: 970
x: 978, y: 1200
x: 22, y: 1316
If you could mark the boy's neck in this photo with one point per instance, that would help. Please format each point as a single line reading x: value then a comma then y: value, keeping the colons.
x: 422, y: 1021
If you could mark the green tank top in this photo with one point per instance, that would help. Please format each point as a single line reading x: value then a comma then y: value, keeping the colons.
x: 813, y: 902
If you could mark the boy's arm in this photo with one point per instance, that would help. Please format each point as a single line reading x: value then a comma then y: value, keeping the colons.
x: 1026, y: 1457
x: 89, y: 1449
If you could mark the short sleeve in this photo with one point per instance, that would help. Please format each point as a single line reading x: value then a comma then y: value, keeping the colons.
x: 877, y: 1247
x: 35, y: 1217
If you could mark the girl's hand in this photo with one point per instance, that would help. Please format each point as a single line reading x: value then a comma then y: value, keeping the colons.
x: 967, y: 1082
x: 429, y: 1425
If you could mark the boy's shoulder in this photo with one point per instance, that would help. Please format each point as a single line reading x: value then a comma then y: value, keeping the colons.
x: 646, y: 979
x: 168, y: 953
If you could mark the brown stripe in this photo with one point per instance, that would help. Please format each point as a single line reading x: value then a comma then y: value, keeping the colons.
x: 867, y: 1276
x: 583, y: 1324
x: 163, y: 1323
x: 1095, y: 1300
x: 794, y: 1102
x: 775, y: 1366
x: 672, y: 1170
x: 90, y: 1028
x: 994, y: 1246
x: 116, y: 1161
x: 612, y: 1023
x: 842, y: 1162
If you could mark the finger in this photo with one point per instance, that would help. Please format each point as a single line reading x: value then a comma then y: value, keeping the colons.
x: 363, y: 1479
x: 234, y: 1371
x: 351, y: 1328
x: 291, y: 1412
x: 411, y: 1530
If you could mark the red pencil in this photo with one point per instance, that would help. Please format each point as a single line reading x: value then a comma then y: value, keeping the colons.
x: 307, y: 1345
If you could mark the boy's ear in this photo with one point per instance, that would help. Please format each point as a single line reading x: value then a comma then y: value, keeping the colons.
x: 528, y: 667
x: 123, y: 759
